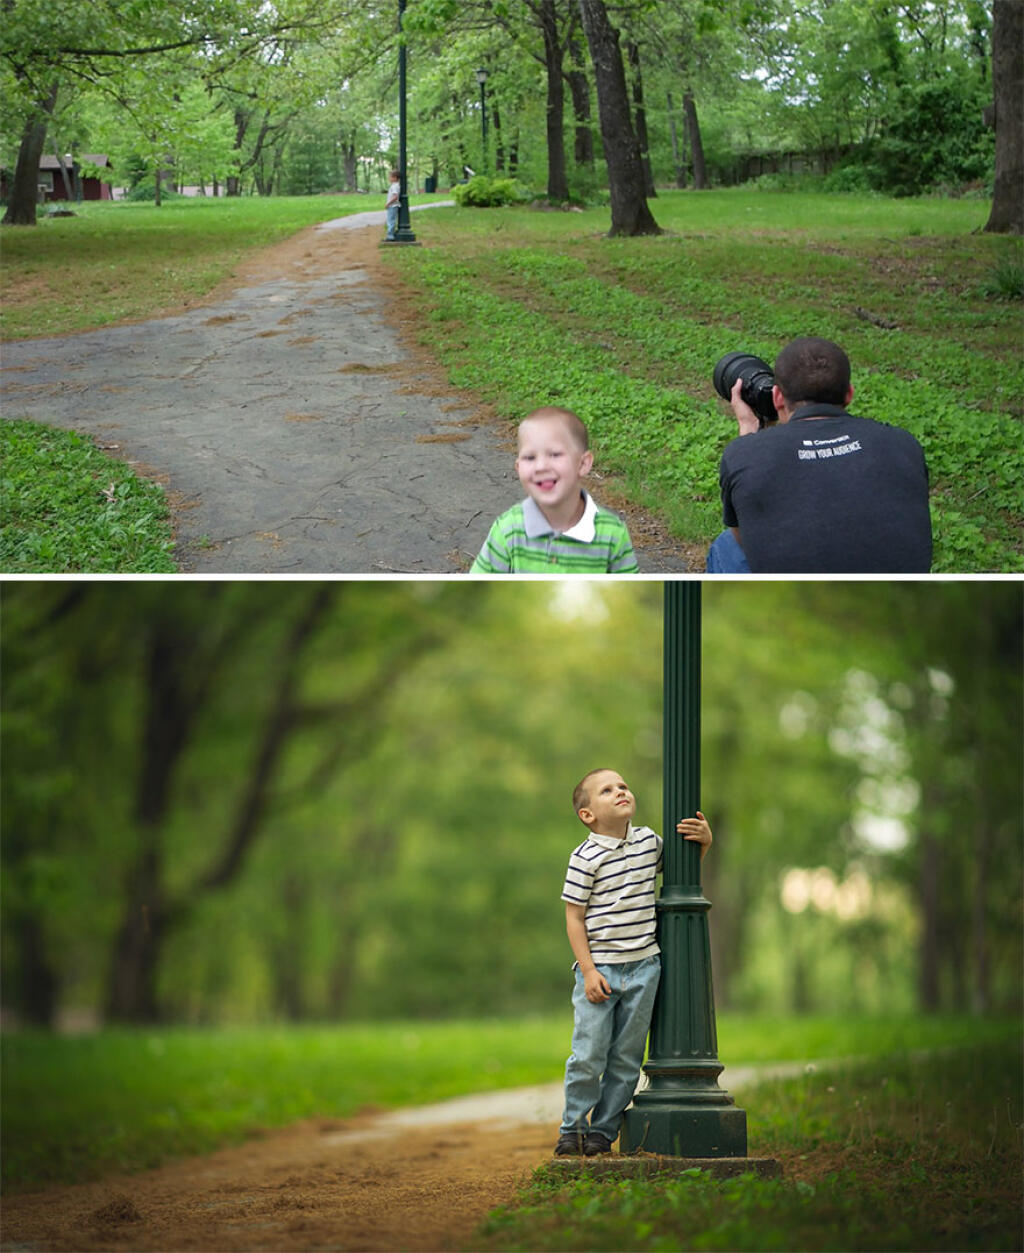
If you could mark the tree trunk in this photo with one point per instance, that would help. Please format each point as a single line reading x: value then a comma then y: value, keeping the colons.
x: 929, y: 994
x: 349, y: 165
x: 176, y: 692
x: 21, y: 209
x: 558, y: 186
x: 640, y: 115
x: 700, y: 174
x: 579, y: 88
x: 37, y: 983
x: 678, y: 160
x: 499, y: 142
x: 1007, y: 214
x: 630, y: 212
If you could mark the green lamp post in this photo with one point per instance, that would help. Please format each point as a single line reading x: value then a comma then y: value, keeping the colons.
x: 683, y: 1112
x: 481, y: 77
x: 403, y: 232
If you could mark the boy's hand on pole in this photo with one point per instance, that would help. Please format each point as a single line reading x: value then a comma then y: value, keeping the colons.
x: 696, y: 829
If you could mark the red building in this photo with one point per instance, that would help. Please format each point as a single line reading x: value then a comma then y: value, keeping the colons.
x: 51, y: 179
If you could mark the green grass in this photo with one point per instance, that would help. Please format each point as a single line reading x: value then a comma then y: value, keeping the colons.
x: 906, y: 1155
x: 84, y: 1106
x: 66, y: 507
x: 529, y: 308
x: 116, y: 262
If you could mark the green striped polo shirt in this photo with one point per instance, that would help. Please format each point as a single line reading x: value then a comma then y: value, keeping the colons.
x: 522, y: 541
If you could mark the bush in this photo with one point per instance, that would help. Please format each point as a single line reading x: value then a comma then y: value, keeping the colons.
x: 147, y: 191
x: 482, y: 192
x: 850, y: 178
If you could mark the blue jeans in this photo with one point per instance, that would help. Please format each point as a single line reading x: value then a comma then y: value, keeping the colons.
x: 608, y: 1047
x: 725, y: 556
x: 392, y: 218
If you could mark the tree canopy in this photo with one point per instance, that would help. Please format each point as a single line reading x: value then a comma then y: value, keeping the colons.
x: 237, y: 802
x: 301, y: 95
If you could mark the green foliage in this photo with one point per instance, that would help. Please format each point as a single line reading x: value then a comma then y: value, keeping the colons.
x: 1005, y: 279
x: 482, y: 192
x: 69, y: 508
x: 426, y: 771
x: 937, y: 138
x: 922, y: 1154
x: 145, y: 193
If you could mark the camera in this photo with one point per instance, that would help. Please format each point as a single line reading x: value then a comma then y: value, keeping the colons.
x: 758, y: 381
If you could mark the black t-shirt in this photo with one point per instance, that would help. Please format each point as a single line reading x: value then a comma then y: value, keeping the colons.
x: 832, y: 494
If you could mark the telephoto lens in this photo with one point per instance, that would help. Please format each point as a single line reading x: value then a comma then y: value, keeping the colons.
x: 758, y: 381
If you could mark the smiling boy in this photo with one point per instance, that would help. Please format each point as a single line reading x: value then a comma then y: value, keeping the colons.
x: 610, y: 921
x: 558, y: 528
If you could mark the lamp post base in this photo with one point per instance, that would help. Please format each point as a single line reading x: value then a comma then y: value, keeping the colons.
x: 391, y: 243
x: 679, y: 1130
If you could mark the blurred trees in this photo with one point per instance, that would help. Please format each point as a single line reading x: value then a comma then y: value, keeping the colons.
x: 234, y: 801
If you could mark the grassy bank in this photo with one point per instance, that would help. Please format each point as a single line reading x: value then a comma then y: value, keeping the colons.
x: 918, y: 1154
x: 530, y: 308
x: 67, y: 507
x: 84, y: 1106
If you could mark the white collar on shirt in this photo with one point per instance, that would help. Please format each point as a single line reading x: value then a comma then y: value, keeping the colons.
x: 609, y: 841
x: 537, y: 525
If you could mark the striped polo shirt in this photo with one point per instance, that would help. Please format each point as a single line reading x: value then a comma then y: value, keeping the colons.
x: 522, y: 541
x: 614, y: 881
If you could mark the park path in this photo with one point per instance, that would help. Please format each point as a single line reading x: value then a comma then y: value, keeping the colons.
x: 419, y: 1179
x: 295, y: 426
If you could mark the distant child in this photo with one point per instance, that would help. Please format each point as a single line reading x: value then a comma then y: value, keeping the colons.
x: 610, y: 918
x: 558, y: 528
x: 391, y: 204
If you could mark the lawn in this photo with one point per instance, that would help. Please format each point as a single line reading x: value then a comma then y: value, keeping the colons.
x: 528, y: 308
x: 83, y: 1106
x: 913, y: 1154
x: 67, y: 507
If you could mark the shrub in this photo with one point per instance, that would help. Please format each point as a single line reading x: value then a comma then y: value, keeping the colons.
x: 1005, y: 280
x: 482, y: 192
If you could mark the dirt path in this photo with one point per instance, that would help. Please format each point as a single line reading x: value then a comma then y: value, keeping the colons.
x: 419, y: 1179
x: 416, y: 1180
x: 295, y: 422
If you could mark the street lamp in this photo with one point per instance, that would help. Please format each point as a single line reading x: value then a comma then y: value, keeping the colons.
x: 481, y: 78
x: 403, y: 232
x: 683, y: 1113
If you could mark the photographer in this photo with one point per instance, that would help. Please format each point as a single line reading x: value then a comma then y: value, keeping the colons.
x: 818, y: 491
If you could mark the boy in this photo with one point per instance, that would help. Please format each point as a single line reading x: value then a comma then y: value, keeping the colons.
x: 610, y: 919
x: 558, y: 528
x: 391, y: 204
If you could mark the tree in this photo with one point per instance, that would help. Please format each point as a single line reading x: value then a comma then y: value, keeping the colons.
x: 1007, y: 214
x: 630, y: 212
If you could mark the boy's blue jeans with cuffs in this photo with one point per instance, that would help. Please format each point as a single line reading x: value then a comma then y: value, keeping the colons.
x: 608, y: 1043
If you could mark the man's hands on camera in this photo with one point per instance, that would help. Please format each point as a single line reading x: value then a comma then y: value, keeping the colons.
x: 746, y: 418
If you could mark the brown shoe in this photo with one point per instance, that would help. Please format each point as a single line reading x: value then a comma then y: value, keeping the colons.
x: 596, y: 1144
x: 570, y: 1144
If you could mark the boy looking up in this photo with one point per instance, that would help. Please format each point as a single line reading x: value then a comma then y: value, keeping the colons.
x: 558, y: 528
x: 610, y: 919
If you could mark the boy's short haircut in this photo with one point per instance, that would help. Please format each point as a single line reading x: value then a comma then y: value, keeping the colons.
x: 572, y: 423
x: 813, y: 369
x: 581, y: 793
